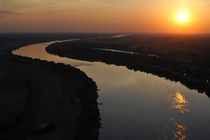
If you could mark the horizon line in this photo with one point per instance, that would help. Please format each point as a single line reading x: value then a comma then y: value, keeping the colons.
x: 34, y: 32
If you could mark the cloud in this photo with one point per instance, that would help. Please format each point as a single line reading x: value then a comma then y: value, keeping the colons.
x: 8, y: 12
x: 36, y: 5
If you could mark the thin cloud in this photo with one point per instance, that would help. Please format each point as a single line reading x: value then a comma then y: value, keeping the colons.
x: 8, y: 12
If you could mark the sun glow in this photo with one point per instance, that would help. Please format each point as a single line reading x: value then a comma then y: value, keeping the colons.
x: 182, y: 17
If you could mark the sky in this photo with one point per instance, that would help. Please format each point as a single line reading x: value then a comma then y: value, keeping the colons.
x: 147, y: 16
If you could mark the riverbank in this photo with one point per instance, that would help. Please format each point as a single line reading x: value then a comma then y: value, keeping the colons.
x: 44, y: 100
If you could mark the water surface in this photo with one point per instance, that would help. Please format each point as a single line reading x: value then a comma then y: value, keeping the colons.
x: 137, y: 105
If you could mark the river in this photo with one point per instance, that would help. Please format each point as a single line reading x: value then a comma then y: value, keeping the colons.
x: 137, y: 105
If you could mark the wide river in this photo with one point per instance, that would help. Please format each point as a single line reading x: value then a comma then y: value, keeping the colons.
x: 137, y: 105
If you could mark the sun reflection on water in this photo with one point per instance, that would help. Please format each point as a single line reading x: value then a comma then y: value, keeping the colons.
x: 179, y: 102
x: 181, y: 131
x: 177, y: 130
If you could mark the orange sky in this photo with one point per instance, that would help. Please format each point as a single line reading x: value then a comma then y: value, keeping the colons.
x: 103, y: 16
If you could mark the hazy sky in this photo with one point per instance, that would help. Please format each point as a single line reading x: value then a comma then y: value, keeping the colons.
x: 103, y: 16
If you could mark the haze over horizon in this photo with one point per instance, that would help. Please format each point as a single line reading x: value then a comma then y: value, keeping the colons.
x: 103, y: 16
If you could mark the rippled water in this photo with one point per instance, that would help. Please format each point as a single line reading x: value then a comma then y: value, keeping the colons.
x: 137, y: 105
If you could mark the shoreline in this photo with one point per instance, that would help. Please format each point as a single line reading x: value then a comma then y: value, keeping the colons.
x: 88, y: 100
x: 82, y: 102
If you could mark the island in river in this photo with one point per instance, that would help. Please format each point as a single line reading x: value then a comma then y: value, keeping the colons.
x: 183, y: 58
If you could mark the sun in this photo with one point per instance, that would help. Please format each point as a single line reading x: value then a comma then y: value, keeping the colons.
x: 182, y: 17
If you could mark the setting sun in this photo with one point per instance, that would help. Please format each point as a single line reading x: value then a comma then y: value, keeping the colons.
x: 182, y: 17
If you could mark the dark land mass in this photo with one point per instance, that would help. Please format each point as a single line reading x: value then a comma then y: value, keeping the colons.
x: 43, y: 100
x: 183, y: 58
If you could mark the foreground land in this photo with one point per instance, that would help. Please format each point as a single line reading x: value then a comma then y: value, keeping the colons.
x: 42, y: 100
x: 183, y: 58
